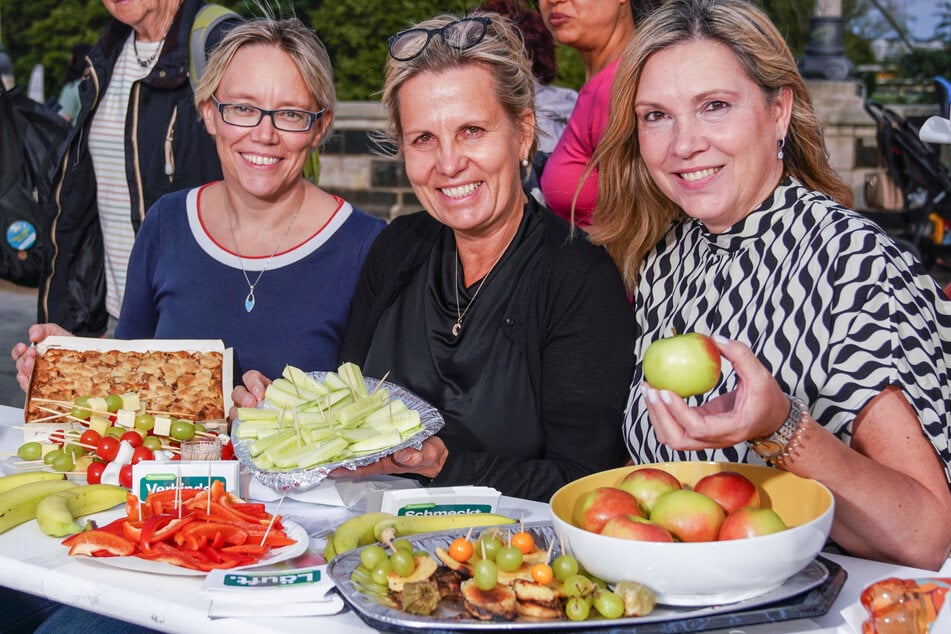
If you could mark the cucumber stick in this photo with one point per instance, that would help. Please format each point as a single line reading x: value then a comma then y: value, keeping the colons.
x: 316, y: 422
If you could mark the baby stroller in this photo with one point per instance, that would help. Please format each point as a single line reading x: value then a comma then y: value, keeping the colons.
x: 915, y: 167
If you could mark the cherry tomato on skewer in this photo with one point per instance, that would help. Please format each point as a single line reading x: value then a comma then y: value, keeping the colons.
x: 107, y: 448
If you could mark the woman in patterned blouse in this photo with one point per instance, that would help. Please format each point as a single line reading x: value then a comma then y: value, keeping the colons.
x: 834, y: 340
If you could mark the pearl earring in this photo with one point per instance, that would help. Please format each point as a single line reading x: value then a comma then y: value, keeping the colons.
x: 780, y: 144
x: 525, y: 162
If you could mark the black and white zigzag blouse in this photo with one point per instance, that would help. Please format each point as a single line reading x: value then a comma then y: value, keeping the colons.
x: 824, y: 298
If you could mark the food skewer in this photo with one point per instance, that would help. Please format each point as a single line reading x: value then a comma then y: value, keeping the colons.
x: 273, y: 516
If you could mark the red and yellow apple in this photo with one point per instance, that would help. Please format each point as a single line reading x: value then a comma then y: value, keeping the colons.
x: 688, y: 515
x: 601, y: 504
x: 729, y: 489
x: 750, y: 522
x: 685, y: 364
x: 637, y: 529
x: 648, y: 484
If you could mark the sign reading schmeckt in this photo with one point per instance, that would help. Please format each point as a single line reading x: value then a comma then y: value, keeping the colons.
x: 188, y: 378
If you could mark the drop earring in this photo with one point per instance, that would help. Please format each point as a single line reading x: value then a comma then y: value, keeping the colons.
x: 780, y: 144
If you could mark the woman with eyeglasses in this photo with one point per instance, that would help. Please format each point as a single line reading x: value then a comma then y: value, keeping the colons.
x: 486, y: 305
x: 262, y: 259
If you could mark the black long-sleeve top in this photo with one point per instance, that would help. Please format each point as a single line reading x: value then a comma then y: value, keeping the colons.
x: 534, y: 387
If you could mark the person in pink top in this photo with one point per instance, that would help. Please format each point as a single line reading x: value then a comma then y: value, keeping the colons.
x: 599, y: 30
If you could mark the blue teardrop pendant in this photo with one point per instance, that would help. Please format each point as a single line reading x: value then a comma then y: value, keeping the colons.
x: 249, y: 301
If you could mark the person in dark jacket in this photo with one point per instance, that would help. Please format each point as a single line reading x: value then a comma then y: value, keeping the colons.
x: 486, y: 305
x: 137, y: 137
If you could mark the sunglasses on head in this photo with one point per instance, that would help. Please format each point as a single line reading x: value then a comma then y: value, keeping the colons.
x: 460, y: 34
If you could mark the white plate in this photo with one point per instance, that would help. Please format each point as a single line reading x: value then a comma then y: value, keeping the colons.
x: 292, y: 529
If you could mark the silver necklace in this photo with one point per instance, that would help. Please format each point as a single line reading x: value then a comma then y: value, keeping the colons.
x: 249, y: 301
x: 144, y: 63
x: 460, y: 313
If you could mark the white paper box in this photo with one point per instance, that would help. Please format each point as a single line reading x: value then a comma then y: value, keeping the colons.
x: 435, y: 501
x: 149, y: 476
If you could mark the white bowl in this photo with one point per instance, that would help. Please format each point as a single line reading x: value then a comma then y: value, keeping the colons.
x: 705, y: 573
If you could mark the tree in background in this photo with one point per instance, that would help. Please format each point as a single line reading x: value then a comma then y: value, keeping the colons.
x: 355, y: 32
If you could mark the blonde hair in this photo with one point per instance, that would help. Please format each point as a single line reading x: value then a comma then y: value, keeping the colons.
x: 289, y: 35
x: 632, y: 213
x: 500, y: 51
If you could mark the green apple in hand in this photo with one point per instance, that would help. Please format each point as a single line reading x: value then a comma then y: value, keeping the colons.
x: 687, y: 364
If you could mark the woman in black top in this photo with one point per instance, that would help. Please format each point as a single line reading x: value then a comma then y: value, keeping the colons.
x: 486, y: 305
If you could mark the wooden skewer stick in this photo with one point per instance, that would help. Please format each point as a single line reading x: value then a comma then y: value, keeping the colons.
x: 182, y: 415
x: 378, y: 385
x: 47, y: 418
x: 273, y: 517
x: 37, y: 399
x: 62, y: 414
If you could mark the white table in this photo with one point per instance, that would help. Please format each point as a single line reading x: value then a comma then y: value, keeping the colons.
x: 32, y: 562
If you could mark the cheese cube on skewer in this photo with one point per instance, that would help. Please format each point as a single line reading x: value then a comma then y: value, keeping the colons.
x: 163, y: 426
x: 125, y: 418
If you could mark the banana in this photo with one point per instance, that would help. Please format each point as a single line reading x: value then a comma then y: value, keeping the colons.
x: 18, y: 505
x: 413, y: 524
x: 357, y: 531
x: 56, y: 513
x: 14, y: 480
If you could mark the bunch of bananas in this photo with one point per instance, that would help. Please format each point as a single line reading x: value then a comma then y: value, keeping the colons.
x: 53, y: 501
x: 369, y: 527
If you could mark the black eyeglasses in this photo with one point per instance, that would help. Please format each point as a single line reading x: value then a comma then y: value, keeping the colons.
x: 245, y: 116
x: 461, y: 34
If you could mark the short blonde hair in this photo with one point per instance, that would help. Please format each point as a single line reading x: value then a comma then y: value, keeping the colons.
x: 500, y: 50
x: 632, y: 213
x: 289, y: 35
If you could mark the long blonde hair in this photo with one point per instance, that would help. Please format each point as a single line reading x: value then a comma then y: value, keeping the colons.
x: 632, y: 213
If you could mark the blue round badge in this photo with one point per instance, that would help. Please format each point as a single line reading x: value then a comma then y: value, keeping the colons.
x: 21, y: 235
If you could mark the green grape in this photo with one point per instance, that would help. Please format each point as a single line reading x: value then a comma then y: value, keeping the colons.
x: 79, y: 412
x: 53, y: 455
x: 63, y: 462
x: 403, y: 562
x: 382, y: 571
x: 564, y: 566
x: 73, y: 450
x: 578, y: 586
x: 81, y: 408
x: 30, y: 451
x: 182, y: 430
x: 152, y: 442
x: 577, y: 609
x: 372, y: 555
x: 144, y: 422
x: 486, y: 574
x: 489, y: 545
x: 420, y: 553
x: 402, y: 544
x: 200, y: 427
x: 608, y: 604
x: 509, y: 558
x: 116, y: 431
x: 113, y: 403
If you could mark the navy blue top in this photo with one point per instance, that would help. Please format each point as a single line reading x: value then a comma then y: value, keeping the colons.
x: 183, y: 285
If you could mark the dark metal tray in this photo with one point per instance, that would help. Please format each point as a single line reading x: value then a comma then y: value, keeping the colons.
x: 808, y: 593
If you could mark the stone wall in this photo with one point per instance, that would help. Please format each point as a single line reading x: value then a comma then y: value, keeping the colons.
x: 352, y: 169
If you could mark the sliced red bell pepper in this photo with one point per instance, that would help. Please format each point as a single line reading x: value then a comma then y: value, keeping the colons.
x: 167, y: 553
x: 99, y: 543
x: 133, y: 530
x: 160, y: 527
x: 255, y: 550
x: 227, y: 533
